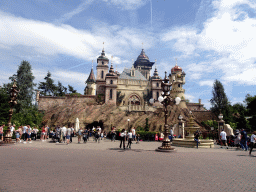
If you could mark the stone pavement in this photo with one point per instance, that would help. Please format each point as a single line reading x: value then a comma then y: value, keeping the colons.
x: 46, y: 166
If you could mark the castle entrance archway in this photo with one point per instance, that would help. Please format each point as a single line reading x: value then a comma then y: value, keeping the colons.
x: 134, y: 100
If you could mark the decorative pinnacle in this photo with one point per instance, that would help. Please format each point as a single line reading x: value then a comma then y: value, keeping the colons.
x: 103, y: 46
x: 111, y: 59
x: 92, y: 64
x: 165, y: 75
x: 176, y: 61
x: 142, y: 45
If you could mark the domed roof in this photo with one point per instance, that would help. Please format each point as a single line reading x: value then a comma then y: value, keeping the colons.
x: 176, y: 68
x: 142, y: 57
x: 102, y: 56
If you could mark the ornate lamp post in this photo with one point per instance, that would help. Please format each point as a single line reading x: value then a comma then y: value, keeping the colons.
x: 128, y: 120
x: 12, y: 102
x: 221, y: 123
x: 166, y: 100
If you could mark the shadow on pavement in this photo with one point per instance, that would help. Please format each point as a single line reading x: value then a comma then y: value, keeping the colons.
x: 126, y: 149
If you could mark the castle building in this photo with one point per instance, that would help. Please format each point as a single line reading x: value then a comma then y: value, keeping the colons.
x: 134, y: 85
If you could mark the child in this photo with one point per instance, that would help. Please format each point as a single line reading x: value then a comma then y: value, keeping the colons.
x: 138, y: 138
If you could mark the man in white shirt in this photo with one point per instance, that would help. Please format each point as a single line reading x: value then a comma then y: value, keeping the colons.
x: 64, y: 132
x: 253, y: 142
x: 223, y: 137
x: 129, y: 139
x: 123, y: 135
x: 24, y: 132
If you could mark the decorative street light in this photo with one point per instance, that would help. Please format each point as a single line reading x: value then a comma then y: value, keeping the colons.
x: 12, y: 102
x: 166, y: 100
x: 151, y: 101
x: 221, y: 123
x: 128, y: 120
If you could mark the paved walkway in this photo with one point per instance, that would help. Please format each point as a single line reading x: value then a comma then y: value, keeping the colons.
x: 46, y: 166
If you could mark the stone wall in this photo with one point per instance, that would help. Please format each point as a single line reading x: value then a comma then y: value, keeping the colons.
x: 49, y: 102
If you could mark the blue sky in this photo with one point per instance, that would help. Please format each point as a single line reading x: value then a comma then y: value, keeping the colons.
x: 211, y: 39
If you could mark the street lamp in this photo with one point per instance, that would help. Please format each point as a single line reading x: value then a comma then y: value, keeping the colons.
x: 166, y: 100
x: 220, y: 124
x: 12, y: 102
x: 128, y: 120
x: 151, y: 101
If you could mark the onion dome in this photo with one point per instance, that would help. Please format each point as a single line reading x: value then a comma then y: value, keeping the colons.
x: 183, y: 73
x: 142, y: 57
x: 176, y: 68
x: 102, y: 56
x: 91, y: 78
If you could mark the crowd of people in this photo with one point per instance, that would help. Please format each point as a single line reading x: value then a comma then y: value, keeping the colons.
x: 61, y: 134
x: 240, y: 140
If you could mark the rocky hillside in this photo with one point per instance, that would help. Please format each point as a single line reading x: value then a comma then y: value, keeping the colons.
x: 67, y: 112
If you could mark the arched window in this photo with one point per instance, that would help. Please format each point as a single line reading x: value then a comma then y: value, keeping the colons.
x: 102, y: 62
x: 157, y: 85
x: 178, y: 85
x: 111, y: 81
x: 102, y: 74
x: 110, y: 94
x: 157, y: 95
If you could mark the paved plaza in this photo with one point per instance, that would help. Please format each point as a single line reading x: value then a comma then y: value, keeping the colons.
x: 46, y: 166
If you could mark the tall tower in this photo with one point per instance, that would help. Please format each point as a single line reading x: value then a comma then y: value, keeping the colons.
x: 156, y: 85
x: 111, y: 86
x: 102, y: 70
x: 91, y: 84
x: 177, y: 77
x: 143, y: 64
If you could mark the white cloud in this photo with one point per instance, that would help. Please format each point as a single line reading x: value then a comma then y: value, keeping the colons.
x: 49, y: 39
x: 207, y: 83
x: 191, y: 98
x: 128, y: 4
x: 74, y: 12
x: 231, y: 39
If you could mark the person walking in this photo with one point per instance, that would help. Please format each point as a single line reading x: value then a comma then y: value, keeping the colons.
x: 243, y: 141
x: 171, y: 133
x: 24, y: 132
x: 129, y: 139
x: 64, y: 133
x: 68, y: 135
x: 17, y: 134
x: 58, y: 134
x: 253, y: 142
x: 72, y: 133
x: 2, y: 132
x: 133, y: 134
x: 196, y: 138
x: 223, y: 138
x: 79, y: 135
x: 29, y: 130
x: 85, y: 134
x: 122, y: 138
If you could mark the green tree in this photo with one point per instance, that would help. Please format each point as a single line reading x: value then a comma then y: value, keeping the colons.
x: 250, y: 102
x: 48, y: 87
x: 4, y: 106
x: 25, y: 85
x: 71, y: 89
x: 61, y: 90
x: 220, y: 101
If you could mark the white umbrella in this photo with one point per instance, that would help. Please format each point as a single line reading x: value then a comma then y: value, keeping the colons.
x: 77, y: 125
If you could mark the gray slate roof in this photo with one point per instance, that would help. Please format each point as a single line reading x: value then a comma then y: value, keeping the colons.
x: 126, y: 74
